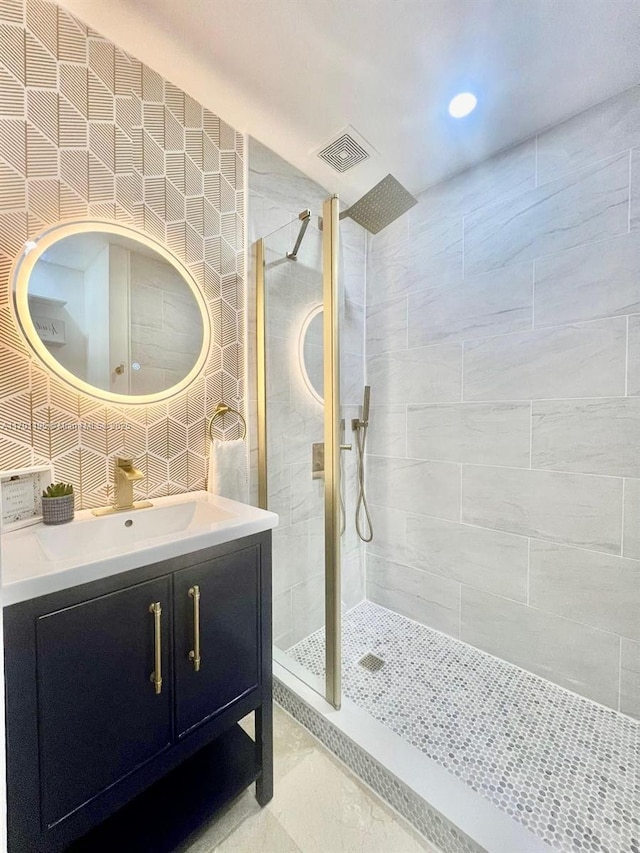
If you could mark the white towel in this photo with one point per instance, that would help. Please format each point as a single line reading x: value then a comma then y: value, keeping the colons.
x: 228, y: 470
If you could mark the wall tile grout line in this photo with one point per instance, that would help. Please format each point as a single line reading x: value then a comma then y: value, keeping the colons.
x: 482, y: 338
x: 630, y: 189
x: 619, y: 708
x: 420, y: 459
x: 626, y: 360
x: 491, y: 270
x: 622, y: 517
x: 503, y: 532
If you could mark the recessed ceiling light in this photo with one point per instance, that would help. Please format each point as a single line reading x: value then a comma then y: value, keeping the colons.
x: 462, y: 105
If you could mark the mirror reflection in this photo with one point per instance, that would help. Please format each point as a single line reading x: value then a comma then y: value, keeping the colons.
x: 311, y: 353
x: 115, y: 313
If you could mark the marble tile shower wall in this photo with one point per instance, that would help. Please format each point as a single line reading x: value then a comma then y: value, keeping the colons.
x: 503, y: 351
x: 277, y: 194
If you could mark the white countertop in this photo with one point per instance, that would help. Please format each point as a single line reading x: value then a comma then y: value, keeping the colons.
x: 36, y: 560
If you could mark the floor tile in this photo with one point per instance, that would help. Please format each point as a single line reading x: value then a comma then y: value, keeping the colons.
x: 564, y: 767
x: 318, y: 807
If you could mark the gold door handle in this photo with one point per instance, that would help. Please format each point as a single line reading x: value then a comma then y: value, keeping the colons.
x: 194, y: 654
x: 156, y: 675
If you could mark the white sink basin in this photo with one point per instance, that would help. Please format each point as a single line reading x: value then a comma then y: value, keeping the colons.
x: 39, y: 559
x: 127, y: 529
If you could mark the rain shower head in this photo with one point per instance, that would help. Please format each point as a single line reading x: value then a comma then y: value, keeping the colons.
x: 381, y: 205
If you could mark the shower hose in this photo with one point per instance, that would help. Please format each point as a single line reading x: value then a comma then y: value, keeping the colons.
x: 362, y: 507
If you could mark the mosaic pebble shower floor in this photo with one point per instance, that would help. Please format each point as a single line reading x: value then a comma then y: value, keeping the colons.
x: 564, y: 767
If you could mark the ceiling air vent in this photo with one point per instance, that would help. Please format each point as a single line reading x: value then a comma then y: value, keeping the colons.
x: 345, y: 150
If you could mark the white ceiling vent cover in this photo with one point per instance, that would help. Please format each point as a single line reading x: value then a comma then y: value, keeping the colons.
x: 345, y: 150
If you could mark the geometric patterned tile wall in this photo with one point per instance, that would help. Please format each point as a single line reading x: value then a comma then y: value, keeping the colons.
x: 88, y: 131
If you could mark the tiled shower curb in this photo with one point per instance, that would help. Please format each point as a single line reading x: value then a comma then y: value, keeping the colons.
x: 421, y: 814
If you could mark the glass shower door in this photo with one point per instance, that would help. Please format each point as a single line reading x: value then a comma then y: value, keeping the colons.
x: 298, y: 442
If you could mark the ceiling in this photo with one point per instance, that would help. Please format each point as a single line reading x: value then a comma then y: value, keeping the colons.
x: 293, y: 73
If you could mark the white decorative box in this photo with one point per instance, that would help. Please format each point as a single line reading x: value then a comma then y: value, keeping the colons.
x: 21, y: 496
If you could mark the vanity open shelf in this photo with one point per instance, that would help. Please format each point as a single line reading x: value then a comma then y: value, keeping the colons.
x: 166, y: 816
x: 140, y: 676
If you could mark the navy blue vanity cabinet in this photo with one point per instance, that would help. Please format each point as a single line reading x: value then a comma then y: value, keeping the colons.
x: 123, y: 698
x: 216, y: 608
x: 99, y: 713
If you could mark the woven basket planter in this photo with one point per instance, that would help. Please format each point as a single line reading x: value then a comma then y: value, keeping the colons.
x: 57, y: 510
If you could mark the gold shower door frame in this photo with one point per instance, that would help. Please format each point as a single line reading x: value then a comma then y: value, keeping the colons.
x: 331, y: 342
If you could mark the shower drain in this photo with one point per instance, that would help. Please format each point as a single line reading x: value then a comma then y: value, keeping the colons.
x: 371, y: 662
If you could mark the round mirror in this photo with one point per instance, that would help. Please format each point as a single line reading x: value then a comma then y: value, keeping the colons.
x: 111, y: 311
x: 311, y: 353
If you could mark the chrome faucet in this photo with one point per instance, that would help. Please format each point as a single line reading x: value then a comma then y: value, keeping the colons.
x: 124, y: 476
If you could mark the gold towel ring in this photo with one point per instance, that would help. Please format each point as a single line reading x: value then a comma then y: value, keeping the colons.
x: 221, y: 410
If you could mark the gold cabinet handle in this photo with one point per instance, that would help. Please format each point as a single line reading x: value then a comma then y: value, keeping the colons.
x: 194, y: 654
x: 156, y: 675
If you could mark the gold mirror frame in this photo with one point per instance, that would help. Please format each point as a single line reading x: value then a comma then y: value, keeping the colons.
x: 21, y: 272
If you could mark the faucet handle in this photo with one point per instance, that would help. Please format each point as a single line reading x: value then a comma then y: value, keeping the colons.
x: 124, y: 462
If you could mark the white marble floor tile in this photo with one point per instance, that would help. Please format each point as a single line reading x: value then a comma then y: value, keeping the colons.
x: 242, y: 808
x: 324, y: 809
x: 259, y: 832
x: 318, y: 807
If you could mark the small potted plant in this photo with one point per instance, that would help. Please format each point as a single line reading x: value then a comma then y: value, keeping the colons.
x: 57, y: 503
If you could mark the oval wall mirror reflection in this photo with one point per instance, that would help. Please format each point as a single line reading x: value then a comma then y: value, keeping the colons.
x: 310, y: 353
x: 111, y: 311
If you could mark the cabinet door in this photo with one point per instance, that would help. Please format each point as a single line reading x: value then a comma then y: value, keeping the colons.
x: 99, y: 714
x: 228, y: 621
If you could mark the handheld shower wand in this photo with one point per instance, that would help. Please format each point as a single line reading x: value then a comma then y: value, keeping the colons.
x: 363, y: 422
x: 360, y: 427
